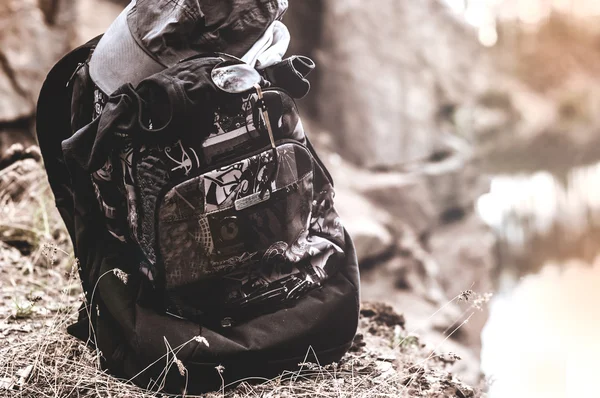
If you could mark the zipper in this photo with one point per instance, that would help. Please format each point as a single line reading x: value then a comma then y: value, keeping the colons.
x: 227, y: 162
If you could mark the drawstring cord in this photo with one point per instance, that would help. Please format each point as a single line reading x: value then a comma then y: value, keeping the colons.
x: 263, y: 106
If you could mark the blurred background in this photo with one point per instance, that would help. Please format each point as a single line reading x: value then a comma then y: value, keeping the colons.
x: 463, y: 136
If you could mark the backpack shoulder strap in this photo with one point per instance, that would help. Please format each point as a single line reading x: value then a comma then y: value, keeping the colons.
x: 53, y: 125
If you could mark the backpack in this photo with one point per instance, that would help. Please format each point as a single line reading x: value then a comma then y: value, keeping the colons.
x: 202, y: 218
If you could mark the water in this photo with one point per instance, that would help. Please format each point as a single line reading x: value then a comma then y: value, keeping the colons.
x: 539, y: 217
x: 541, y: 339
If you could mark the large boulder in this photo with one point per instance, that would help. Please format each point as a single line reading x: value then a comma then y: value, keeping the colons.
x: 387, y: 81
x: 367, y: 224
x: 34, y: 35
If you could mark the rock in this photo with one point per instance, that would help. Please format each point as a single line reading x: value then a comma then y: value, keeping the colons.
x: 366, y: 224
x: 421, y: 318
x: 422, y: 279
x: 424, y: 366
x: 34, y: 35
x: 385, y: 76
x: 405, y: 197
x: 397, y: 212
x: 18, y: 152
x: 21, y: 178
x: 14, y: 138
x: 429, y: 193
x: 421, y: 195
x: 384, y: 197
x: 382, y: 313
x: 454, y: 182
x: 371, y: 239
x: 466, y: 251
x: 376, y: 207
x: 441, y: 247
x: 417, y: 270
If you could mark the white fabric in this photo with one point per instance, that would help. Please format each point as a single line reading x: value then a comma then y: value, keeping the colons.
x: 270, y: 48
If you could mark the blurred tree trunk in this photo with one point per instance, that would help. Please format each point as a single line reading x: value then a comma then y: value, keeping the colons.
x: 34, y: 35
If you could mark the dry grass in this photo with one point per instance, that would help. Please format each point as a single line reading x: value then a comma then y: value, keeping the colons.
x: 61, y: 366
x: 41, y: 294
x: 385, y: 361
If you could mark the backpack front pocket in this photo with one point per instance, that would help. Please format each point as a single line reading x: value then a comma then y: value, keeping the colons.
x: 224, y: 219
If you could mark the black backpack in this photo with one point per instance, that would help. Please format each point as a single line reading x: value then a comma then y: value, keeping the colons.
x: 203, y: 221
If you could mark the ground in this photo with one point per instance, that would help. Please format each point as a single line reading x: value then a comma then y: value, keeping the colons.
x: 40, y: 296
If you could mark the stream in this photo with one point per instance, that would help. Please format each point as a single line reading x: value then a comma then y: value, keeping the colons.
x: 541, y: 339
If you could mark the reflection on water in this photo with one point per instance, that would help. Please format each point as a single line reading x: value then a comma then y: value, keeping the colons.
x: 541, y: 339
x: 539, y: 218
